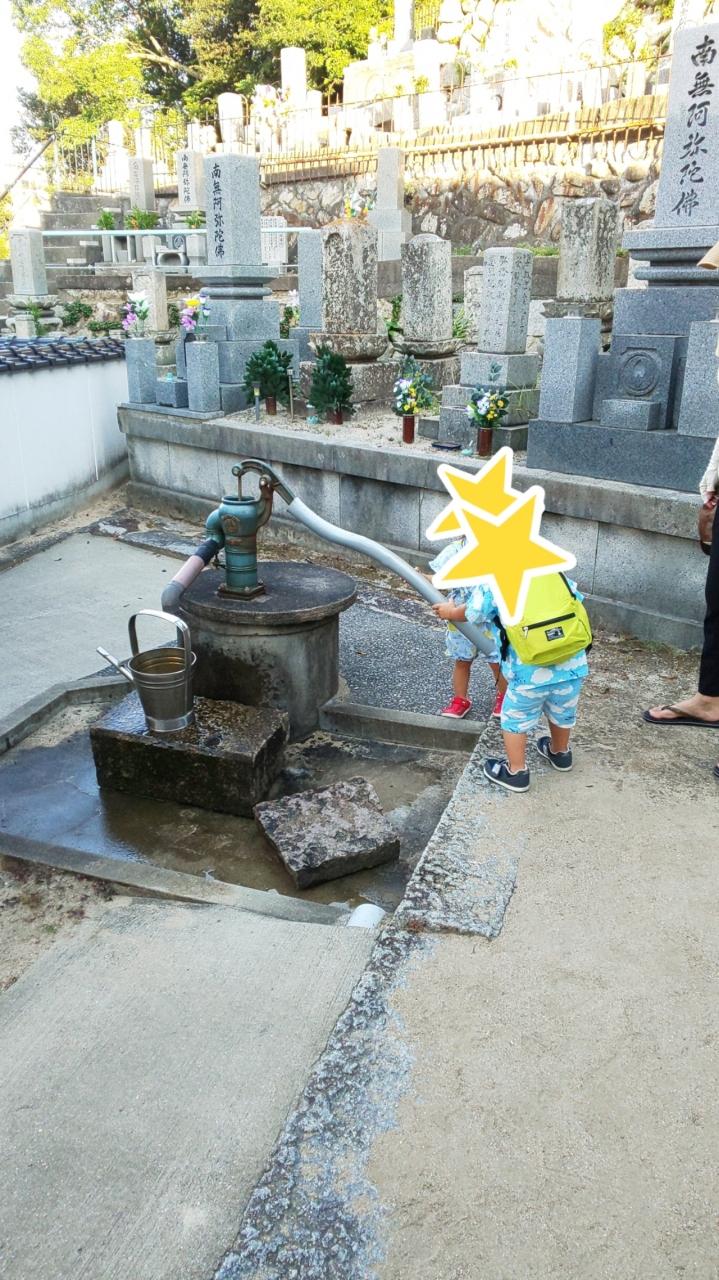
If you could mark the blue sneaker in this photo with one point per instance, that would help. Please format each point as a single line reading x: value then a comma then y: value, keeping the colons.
x: 561, y: 760
x: 499, y: 772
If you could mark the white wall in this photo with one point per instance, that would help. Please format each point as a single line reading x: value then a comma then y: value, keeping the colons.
x: 59, y: 440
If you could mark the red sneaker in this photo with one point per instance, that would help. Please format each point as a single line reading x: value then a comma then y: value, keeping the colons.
x: 497, y: 708
x: 457, y: 708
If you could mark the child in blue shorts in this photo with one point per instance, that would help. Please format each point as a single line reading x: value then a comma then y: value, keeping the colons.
x: 460, y: 648
x: 532, y: 691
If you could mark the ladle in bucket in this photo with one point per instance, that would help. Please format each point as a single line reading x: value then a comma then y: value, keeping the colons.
x: 162, y: 678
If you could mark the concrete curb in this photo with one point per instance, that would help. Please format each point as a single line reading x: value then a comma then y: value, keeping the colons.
x: 406, y: 728
x: 162, y: 883
x: 33, y: 713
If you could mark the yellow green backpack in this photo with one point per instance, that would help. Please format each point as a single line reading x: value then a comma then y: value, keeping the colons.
x: 555, y: 625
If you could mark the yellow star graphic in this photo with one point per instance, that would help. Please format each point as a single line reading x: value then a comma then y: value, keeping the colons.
x: 488, y: 490
x: 506, y: 552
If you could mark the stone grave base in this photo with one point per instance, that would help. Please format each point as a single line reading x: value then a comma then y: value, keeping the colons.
x: 328, y: 833
x: 443, y: 371
x: 226, y: 761
x: 661, y: 459
x: 455, y: 425
x: 372, y: 381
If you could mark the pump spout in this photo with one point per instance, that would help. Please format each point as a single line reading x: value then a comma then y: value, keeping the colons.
x: 184, y: 578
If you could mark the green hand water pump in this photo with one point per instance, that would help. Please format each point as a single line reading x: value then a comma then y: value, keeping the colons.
x: 235, y: 525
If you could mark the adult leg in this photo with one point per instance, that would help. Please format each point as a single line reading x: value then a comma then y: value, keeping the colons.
x: 704, y: 704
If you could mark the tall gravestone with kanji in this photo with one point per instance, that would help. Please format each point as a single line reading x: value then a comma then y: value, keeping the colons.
x: 649, y: 407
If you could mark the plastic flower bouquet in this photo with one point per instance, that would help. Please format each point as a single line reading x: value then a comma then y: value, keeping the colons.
x: 412, y: 392
x: 195, y: 311
x: 487, y: 406
x: 136, y: 314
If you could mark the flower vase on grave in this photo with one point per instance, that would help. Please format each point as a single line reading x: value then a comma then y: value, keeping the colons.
x: 484, y: 442
x: 271, y: 405
x: 335, y: 416
x: 408, y: 420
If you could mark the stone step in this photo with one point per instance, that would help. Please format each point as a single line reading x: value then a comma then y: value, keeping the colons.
x: 54, y: 221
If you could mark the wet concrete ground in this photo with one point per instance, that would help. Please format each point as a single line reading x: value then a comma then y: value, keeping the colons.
x: 49, y: 793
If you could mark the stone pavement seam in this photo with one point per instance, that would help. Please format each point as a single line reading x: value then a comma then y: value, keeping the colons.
x: 314, y: 1213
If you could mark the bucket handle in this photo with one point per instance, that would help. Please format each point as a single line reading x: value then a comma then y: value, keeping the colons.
x: 182, y: 629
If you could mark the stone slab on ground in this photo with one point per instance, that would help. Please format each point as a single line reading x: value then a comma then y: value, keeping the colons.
x: 225, y: 762
x: 147, y: 1067
x: 328, y: 833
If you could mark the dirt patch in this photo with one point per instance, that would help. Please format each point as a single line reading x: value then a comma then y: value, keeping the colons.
x: 37, y: 906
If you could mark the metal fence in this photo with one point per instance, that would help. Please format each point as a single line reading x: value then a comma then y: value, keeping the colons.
x: 443, y: 132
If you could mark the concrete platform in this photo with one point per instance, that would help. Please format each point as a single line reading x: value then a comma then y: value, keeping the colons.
x: 147, y: 1067
x: 62, y: 602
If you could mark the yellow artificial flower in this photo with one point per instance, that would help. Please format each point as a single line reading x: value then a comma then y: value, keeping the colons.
x: 194, y: 303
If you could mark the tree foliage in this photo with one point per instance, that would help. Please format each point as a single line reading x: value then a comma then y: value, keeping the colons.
x: 96, y: 60
x: 640, y: 30
x: 333, y: 32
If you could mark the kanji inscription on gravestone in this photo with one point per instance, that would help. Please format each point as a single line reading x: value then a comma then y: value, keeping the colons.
x: 218, y: 217
x: 232, y: 186
x: 689, y: 184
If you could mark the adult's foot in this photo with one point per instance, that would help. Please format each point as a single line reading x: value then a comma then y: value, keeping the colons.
x: 697, y: 707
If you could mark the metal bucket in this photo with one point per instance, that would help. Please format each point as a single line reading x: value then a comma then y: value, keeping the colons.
x: 161, y: 677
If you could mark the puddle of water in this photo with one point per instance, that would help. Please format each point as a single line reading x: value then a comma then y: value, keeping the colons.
x: 49, y: 792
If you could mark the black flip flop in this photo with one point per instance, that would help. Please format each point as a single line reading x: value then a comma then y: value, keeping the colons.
x: 682, y: 719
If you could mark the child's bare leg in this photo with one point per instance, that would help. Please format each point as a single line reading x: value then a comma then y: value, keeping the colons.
x: 560, y: 737
x: 516, y: 747
x: 460, y: 678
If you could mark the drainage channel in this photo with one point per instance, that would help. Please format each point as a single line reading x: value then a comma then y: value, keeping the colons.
x: 52, y: 810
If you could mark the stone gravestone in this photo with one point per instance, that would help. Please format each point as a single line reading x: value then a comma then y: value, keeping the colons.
x: 153, y: 284
x: 505, y: 303
x: 190, y: 166
x: 569, y: 369
x: 142, y: 184
x: 700, y: 394
x: 660, y: 370
x: 501, y: 357
x: 587, y: 257
x: 427, y: 308
x: 273, y: 240
x: 27, y: 262
x: 348, y: 309
x: 473, y: 278
x: 392, y: 220
x: 233, y: 212
x: 242, y: 313
x: 29, y: 280
x: 349, y: 279
x: 689, y: 194
x: 309, y: 287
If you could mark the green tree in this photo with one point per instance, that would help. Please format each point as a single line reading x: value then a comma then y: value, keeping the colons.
x: 641, y: 30
x: 334, y: 33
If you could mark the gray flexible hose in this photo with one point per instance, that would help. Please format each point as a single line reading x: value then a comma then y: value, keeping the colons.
x: 375, y: 551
